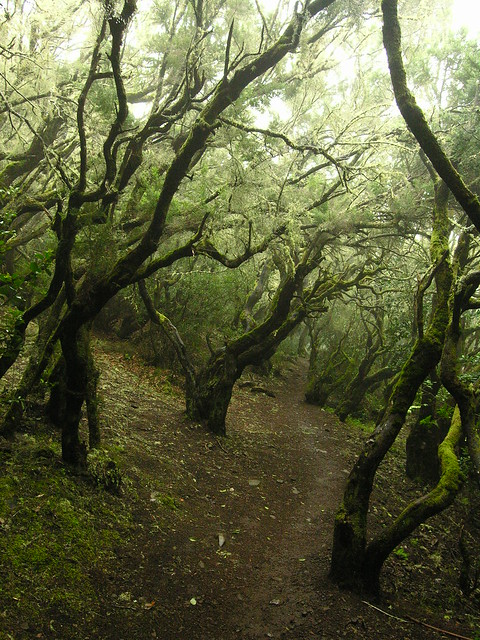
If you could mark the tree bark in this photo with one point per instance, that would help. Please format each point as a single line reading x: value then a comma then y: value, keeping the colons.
x: 208, y: 400
x: 323, y: 380
x: 358, y: 388
x: 426, y: 433
x: 418, y: 511
x: 75, y: 353
x: 350, y: 529
x: 37, y: 363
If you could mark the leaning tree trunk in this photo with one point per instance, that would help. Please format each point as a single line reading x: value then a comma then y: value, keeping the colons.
x: 350, y: 529
x: 39, y: 360
x: 323, y: 381
x: 357, y: 390
x: 465, y: 394
x: 418, y: 511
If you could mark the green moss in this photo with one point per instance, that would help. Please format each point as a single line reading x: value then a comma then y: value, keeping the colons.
x: 452, y: 477
x: 57, y: 535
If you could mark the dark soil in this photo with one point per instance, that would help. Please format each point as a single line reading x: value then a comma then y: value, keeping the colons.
x: 230, y: 538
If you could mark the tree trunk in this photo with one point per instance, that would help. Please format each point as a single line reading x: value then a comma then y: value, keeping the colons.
x: 93, y: 374
x: 39, y: 359
x: 209, y: 398
x: 75, y: 352
x: 426, y: 433
x: 350, y: 529
x: 323, y: 380
x: 357, y: 390
x: 56, y: 401
x: 465, y: 394
x: 418, y: 511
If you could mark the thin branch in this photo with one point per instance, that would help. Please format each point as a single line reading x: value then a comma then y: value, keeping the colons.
x: 118, y: 25
x: 82, y: 179
x: 227, y: 50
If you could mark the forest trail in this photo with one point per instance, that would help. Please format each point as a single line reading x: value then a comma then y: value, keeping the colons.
x: 243, y: 552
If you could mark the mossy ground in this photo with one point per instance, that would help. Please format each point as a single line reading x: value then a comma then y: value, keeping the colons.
x: 58, y: 535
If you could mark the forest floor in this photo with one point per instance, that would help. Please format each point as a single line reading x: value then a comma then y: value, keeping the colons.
x: 211, y: 539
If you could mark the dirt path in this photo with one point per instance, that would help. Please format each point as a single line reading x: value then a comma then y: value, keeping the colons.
x: 244, y: 550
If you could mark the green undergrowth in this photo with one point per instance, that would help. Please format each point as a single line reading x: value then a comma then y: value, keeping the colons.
x: 58, y: 534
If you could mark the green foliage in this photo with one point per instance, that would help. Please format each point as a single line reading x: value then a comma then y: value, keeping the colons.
x: 428, y: 422
x: 401, y: 553
x: 444, y: 411
x: 8, y: 319
x: 6, y: 219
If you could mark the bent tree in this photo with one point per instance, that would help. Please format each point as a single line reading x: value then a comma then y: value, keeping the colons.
x: 348, y: 563
x: 365, y: 379
x: 304, y: 289
x: 93, y: 191
x: 355, y: 562
x: 466, y: 198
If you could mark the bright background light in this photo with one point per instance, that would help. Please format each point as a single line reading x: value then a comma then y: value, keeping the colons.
x: 466, y: 13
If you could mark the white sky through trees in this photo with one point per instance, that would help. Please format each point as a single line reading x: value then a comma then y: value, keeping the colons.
x: 466, y: 13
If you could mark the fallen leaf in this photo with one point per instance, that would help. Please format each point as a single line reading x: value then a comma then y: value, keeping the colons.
x: 221, y: 539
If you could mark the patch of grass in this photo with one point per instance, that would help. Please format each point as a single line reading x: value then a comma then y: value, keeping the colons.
x: 58, y: 534
x: 168, y: 501
x: 362, y: 425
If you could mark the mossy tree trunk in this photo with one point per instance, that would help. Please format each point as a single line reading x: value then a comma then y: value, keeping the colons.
x: 418, y: 511
x: 208, y: 400
x: 208, y: 391
x: 415, y: 119
x: 216, y: 380
x: 75, y: 354
x: 425, y: 435
x: 362, y: 381
x: 37, y: 364
x: 350, y: 530
x: 464, y: 393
